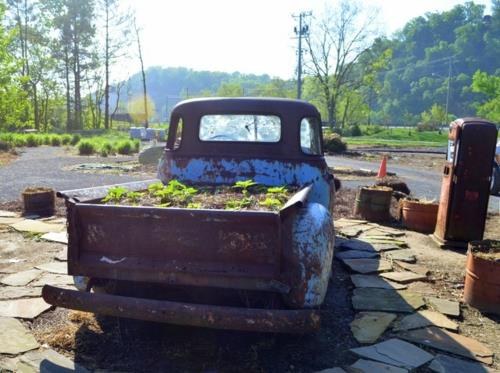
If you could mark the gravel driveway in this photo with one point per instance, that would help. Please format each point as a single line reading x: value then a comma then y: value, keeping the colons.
x: 43, y: 166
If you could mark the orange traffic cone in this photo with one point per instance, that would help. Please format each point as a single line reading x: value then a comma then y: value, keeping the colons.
x: 382, y: 171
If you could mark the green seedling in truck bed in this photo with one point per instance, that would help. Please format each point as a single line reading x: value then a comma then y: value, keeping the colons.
x: 278, y: 193
x: 134, y: 197
x: 244, y: 185
x: 238, y: 204
x: 272, y: 203
x: 115, y: 194
x: 155, y: 187
x: 174, y: 191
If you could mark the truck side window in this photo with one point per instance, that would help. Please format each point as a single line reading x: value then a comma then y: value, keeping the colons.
x: 310, y: 140
x: 178, y: 135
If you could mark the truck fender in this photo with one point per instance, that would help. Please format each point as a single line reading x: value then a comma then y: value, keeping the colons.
x: 310, y: 257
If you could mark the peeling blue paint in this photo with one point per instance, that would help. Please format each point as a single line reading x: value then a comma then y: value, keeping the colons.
x: 313, y: 245
x: 228, y: 171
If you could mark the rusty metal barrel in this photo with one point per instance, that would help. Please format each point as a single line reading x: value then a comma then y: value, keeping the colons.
x: 482, y: 278
x: 419, y: 216
x: 39, y: 201
x: 373, y: 203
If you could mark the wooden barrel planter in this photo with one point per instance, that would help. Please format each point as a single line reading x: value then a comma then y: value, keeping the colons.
x: 419, y: 216
x: 482, y: 276
x: 373, y: 203
x: 39, y: 201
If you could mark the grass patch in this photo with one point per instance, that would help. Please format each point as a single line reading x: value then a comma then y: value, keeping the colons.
x: 398, y: 137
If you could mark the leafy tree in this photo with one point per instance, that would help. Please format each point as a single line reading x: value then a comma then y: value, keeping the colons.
x: 489, y: 86
x: 334, y: 45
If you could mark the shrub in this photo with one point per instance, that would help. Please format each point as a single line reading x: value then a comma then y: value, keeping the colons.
x: 75, y: 139
x: 55, y: 140
x: 137, y: 146
x: 66, y: 139
x: 19, y: 141
x: 125, y: 147
x: 32, y: 140
x: 86, y: 147
x: 5, y: 146
x: 333, y: 143
x: 46, y: 140
x: 421, y: 127
x: 355, y: 131
x: 372, y: 129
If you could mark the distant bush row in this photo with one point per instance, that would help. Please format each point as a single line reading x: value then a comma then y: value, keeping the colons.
x: 97, y: 145
x: 105, y: 148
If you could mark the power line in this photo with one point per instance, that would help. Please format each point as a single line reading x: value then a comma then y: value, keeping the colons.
x: 301, y: 31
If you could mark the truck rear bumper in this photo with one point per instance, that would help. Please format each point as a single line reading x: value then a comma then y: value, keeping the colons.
x: 199, y: 315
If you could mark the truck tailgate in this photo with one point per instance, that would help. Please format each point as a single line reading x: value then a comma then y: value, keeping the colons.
x: 240, y: 249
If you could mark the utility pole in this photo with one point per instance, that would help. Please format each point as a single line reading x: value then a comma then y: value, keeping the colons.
x: 448, y: 91
x: 301, y: 31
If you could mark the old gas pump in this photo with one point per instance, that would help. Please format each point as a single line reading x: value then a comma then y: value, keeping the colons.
x: 466, y: 181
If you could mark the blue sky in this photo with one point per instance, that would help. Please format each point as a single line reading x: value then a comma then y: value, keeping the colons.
x: 250, y: 36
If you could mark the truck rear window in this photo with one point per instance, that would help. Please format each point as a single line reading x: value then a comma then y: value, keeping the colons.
x: 237, y: 127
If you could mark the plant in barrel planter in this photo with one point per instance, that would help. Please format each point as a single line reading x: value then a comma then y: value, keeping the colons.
x: 39, y: 201
x: 419, y: 215
x: 482, y: 276
x: 373, y: 203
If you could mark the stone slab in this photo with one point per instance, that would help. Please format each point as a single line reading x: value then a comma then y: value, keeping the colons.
x: 53, y: 279
x: 372, y: 299
x: 369, y: 366
x: 16, y: 292
x: 151, y: 155
x: 50, y: 361
x: 54, y: 267
x: 8, y: 220
x: 402, y: 255
x: 332, y: 370
x: 368, y: 265
x: 367, y: 327
x: 16, y: 338
x: 416, y: 268
x: 8, y: 214
x: 354, y: 230
x: 450, y: 342
x: 36, y: 226
x: 421, y: 288
x: 421, y: 319
x: 60, y: 237
x: 355, y: 254
x: 448, y: 364
x: 358, y: 245
x: 403, y: 277
x: 23, y: 308
x: 62, y: 255
x: 21, y: 278
x: 374, y: 281
x: 395, y: 352
x: 447, y: 307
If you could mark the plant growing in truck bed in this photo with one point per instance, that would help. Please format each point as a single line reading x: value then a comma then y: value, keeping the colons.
x: 243, y: 195
x: 115, y: 194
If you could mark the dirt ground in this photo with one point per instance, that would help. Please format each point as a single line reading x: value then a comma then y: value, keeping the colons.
x: 124, y: 345
x: 433, y: 162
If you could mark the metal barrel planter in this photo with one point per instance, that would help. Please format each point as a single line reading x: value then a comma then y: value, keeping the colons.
x: 373, y: 203
x: 418, y: 215
x: 482, y: 276
x: 39, y: 201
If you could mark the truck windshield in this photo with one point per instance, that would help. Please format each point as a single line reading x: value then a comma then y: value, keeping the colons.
x: 246, y: 128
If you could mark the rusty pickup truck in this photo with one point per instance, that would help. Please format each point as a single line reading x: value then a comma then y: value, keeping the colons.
x: 242, y: 270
